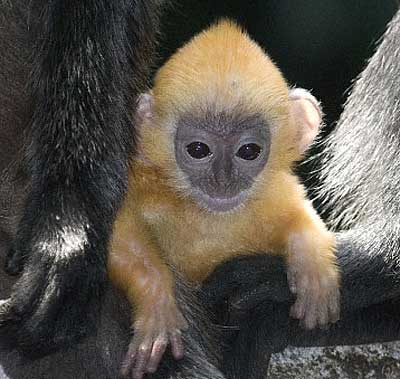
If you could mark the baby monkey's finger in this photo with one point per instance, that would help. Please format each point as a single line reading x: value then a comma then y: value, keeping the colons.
x: 128, y: 361
x: 142, y: 358
x: 334, y: 307
x: 159, y: 346
x: 176, y: 344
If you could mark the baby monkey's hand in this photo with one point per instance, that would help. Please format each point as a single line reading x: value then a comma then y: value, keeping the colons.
x: 158, y: 323
x: 313, y: 276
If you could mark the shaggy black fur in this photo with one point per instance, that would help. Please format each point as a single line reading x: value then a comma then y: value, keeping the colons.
x: 83, y: 81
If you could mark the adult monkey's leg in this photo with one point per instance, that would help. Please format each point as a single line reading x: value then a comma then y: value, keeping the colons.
x: 89, y: 61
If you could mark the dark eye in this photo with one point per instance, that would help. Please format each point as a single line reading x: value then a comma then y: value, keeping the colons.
x: 198, y: 150
x: 249, y: 152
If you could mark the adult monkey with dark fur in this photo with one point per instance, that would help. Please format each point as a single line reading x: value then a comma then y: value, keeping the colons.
x: 369, y: 276
x: 375, y: 284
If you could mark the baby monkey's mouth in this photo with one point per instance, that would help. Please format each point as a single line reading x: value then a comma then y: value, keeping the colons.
x: 219, y: 204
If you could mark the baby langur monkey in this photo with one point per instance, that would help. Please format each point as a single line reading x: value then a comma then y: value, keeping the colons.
x: 213, y: 180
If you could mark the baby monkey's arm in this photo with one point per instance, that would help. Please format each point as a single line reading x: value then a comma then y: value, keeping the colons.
x: 313, y: 273
x: 135, y: 266
x: 312, y: 270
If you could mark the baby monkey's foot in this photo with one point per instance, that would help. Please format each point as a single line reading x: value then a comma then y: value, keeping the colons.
x: 156, y: 326
x: 317, y: 292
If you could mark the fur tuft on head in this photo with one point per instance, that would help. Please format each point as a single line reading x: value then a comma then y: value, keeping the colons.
x: 224, y: 68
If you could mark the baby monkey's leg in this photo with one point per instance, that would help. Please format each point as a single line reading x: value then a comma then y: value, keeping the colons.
x: 135, y: 267
x: 313, y: 275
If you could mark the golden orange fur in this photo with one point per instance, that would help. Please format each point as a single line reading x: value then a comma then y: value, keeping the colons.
x: 221, y: 67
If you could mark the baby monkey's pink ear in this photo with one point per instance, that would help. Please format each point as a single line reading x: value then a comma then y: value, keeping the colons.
x: 307, y: 116
x: 145, y: 107
x: 143, y: 116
